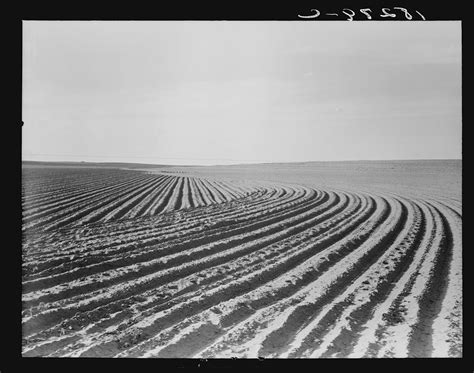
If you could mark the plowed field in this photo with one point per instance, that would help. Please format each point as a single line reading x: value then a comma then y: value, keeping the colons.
x: 130, y: 263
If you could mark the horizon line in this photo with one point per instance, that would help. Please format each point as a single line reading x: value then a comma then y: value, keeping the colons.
x: 243, y: 164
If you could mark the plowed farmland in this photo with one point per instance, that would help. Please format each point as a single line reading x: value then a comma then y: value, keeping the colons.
x: 208, y: 263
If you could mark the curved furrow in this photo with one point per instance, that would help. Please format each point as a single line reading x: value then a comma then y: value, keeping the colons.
x: 221, y: 197
x: 130, y: 201
x: 356, y: 254
x: 75, y: 189
x: 145, y: 203
x: 224, y: 194
x: 196, y: 193
x: 210, y: 235
x: 288, y: 292
x: 226, y: 313
x: 90, y: 237
x: 215, y: 255
x: 174, y: 201
x: 179, y: 197
x: 208, y: 196
x: 240, y: 187
x: 160, y: 204
x: 454, y: 208
x: 100, y: 239
x: 230, y: 192
x: 76, y: 212
x: 216, y: 194
x: 271, y: 254
x: 94, y: 232
x: 208, y: 232
x: 82, y: 268
x: 439, y: 330
x: 80, y: 184
x: 391, y: 324
x: 89, y: 199
x: 234, y: 194
x: 70, y: 195
x: 370, y: 272
x: 264, y: 230
x: 188, y: 202
x: 34, y: 194
x: 101, y: 213
x: 375, y: 287
x: 302, y: 239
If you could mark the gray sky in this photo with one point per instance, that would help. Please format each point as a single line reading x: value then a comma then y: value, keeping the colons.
x: 222, y: 92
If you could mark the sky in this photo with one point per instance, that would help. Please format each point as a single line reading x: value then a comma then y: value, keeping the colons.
x: 226, y: 92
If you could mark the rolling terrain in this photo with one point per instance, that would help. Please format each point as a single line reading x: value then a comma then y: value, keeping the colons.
x: 303, y: 261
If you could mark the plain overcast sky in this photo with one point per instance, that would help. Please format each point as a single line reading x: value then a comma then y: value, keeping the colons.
x: 222, y: 92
